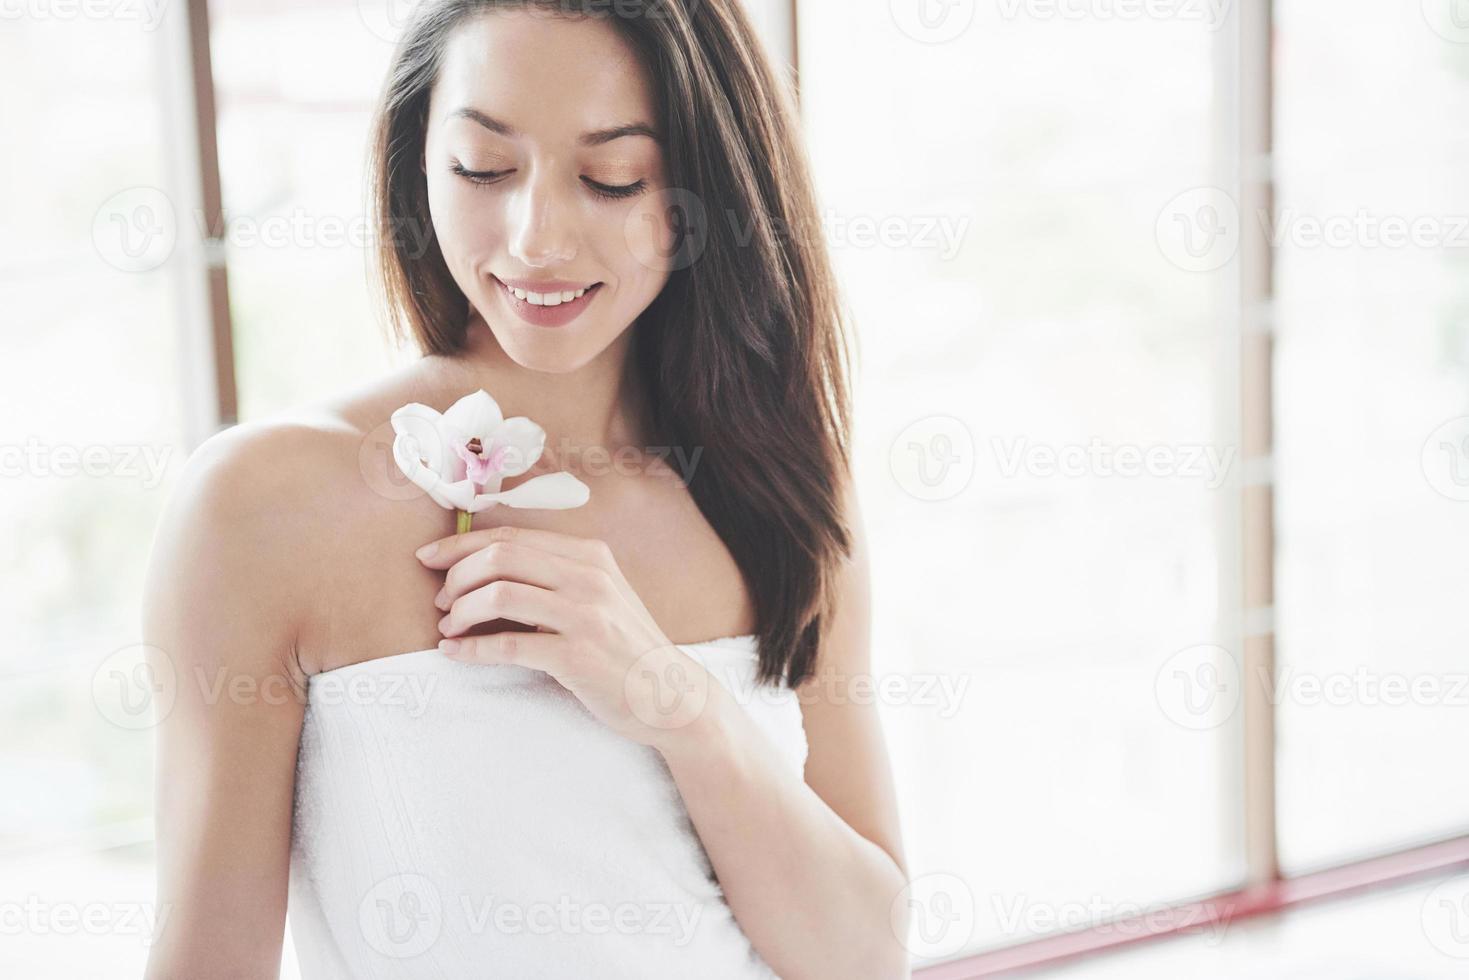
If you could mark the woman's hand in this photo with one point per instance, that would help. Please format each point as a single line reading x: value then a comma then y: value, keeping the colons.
x: 593, y: 633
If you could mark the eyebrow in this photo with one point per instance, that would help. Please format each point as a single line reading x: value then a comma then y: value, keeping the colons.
x: 594, y: 138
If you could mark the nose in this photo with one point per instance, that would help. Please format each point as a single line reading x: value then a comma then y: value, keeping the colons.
x: 543, y: 230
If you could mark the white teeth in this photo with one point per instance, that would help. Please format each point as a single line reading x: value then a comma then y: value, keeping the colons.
x: 547, y: 299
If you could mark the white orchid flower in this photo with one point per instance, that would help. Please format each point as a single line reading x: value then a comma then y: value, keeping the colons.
x: 459, y: 458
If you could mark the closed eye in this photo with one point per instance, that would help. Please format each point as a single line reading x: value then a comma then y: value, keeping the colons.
x: 616, y: 191
x: 477, y: 176
x: 609, y: 191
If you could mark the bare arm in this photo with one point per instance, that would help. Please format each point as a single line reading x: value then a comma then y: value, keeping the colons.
x: 221, y: 607
x: 811, y: 870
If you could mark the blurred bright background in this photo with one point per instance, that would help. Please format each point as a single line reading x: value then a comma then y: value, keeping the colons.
x: 1044, y: 216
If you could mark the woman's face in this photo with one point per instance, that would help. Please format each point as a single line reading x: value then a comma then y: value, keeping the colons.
x: 542, y: 172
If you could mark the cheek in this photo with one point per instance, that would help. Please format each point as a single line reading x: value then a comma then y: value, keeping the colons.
x: 664, y: 231
x: 466, y: 227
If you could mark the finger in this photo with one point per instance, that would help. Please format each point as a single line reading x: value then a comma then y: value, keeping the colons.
x: 505, y: 560
x: 539, y: 651
x: 444, y: 552
x: 503, y: 599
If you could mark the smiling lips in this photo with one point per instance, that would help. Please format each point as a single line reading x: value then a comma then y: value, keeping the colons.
x: 548, y: 303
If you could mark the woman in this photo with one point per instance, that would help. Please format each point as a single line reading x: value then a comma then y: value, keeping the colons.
x: 640, y: 162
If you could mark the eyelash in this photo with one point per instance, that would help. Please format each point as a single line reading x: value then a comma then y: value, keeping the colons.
x: 610, y: 192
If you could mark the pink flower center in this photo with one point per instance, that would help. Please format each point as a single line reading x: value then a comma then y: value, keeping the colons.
x: 478, y: 464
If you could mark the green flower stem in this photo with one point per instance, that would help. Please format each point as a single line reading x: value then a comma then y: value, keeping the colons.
x: 465, y: 519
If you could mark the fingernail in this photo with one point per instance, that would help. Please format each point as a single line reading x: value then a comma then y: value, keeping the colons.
x: 449, y: 647
x: 427, y: 551
x: 440, y: 599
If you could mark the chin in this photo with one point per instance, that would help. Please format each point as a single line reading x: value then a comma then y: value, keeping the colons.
x: 547, y: 365
x: 536, y: 357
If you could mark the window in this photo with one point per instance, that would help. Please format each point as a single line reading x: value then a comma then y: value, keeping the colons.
x: 1373, y: 382
x: 1045, y: 425
x: 91, y: 436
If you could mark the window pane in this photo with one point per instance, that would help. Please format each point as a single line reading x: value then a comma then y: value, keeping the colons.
x: 994, y: 195
x: 294, y: 116
x: 90, y: 437
x: 1373, y: 444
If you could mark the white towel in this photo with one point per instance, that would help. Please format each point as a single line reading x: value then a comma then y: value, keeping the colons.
x: 461, y: 820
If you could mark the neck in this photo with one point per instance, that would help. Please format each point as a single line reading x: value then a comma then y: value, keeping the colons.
x: 597, y: 407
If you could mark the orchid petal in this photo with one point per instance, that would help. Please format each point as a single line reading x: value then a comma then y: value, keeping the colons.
x: 454, y: 496
x: 553, y: 491
x: 427, y: 439
x: 522, y: 441
x: 415, y: 410
x: 477, y: 414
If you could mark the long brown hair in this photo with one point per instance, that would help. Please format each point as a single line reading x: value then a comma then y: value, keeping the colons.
x: 744, y: 352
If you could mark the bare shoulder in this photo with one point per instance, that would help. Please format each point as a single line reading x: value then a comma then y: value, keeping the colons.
x: 274, y: 473
x: 241, y: 523
x: 309, y: 460
x: 249, y: 467
x: 258, y: 504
